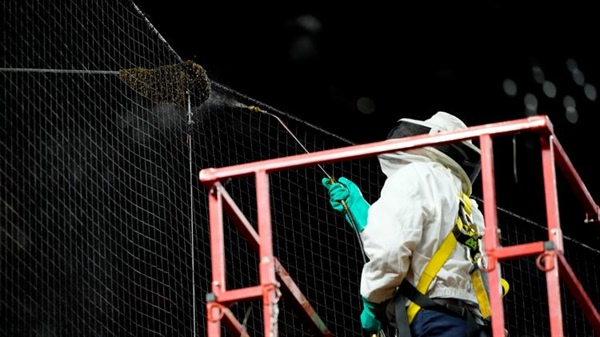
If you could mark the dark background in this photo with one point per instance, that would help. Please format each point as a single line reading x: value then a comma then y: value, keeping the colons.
x: 321, y: 62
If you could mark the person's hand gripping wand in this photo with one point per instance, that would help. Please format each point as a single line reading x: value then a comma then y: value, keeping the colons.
x: 340, y: 193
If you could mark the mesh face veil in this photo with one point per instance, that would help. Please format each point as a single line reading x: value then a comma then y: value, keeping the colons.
x: 465, y: 154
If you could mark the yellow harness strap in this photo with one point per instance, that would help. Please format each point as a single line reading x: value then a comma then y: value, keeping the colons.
x: 432, y: 268
x: 445, y: 250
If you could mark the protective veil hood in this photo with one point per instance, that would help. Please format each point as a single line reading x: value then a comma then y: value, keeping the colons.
x: 461, y: 158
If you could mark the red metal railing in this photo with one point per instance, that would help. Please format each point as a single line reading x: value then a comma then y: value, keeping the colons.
x: 274, y: 278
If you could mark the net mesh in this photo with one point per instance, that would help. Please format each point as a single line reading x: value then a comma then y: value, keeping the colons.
x: 103, y: 223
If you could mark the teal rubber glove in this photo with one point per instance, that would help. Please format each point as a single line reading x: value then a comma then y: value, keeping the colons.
x: 371, y: 315
x: 345, y: 189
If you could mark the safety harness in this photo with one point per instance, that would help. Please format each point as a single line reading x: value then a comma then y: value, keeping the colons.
x: 464, y: 232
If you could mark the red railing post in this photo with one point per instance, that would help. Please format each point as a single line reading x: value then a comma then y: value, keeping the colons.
x: 268, y: 282
x: 490, y: 237
x: 214, y: 310
x: 550, y: 261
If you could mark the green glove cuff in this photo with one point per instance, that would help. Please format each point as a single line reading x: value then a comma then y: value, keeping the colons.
x: 376, y: 308
x: 369, y: 316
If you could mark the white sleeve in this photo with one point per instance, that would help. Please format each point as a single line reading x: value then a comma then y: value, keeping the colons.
x: 393, y: 230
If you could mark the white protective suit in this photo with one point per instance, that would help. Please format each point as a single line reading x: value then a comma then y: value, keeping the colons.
x: 416, y: 210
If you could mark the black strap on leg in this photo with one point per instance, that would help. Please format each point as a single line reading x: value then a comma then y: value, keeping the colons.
x: 401, y: 318
x: 472, y: 329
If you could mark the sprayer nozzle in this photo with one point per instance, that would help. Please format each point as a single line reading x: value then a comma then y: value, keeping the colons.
x: 256, y: 109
